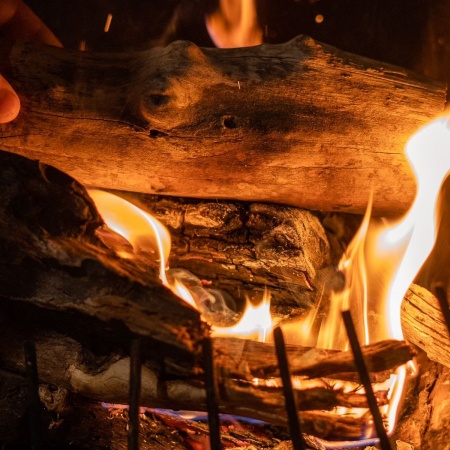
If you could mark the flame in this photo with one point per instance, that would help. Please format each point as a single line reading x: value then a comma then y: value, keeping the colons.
x: 234, y: 24
x: 255, y: 322
x: 140, y: 229
x: 146, y: 234
x: 383, y: 259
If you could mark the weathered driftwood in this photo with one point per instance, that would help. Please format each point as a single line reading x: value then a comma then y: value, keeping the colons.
x: 300, y: 123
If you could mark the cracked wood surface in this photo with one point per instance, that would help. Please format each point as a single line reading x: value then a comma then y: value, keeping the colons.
x: 300, y: 123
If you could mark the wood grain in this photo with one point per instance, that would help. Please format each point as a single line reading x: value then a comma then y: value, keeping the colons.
x: 300, y: 123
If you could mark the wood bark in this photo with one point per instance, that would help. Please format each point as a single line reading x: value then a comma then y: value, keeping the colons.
x: 300, y: 123
x: 425, y: 424
x: 248, y: 248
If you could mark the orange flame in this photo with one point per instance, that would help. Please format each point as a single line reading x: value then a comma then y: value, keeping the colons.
x: 255, y: 322
x: 384, y: 258
x: 234, y: 24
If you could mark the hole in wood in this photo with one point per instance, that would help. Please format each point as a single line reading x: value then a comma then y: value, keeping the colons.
x: 229, y: 122
x: 157, y: 134
x: 159, y: 99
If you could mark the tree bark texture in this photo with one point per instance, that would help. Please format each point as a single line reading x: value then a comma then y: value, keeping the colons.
x: 300, y: 123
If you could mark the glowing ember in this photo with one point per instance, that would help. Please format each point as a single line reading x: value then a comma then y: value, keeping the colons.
x: 107, y: 23
x: 234, y: 24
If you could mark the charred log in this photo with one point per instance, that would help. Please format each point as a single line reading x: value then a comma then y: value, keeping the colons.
x: 52, y: 258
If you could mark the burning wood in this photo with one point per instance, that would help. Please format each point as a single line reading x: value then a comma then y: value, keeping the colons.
x: 256, y: 123
x: 82, y: 274
x: 66, y: 363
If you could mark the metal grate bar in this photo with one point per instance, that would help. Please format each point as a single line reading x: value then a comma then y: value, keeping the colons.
x: 211, y: 395
x: 291, y: 402
x: 33, y: 401
x: 135, y: 393
x: 365, y: 380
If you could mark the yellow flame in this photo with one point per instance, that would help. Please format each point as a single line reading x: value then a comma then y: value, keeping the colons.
x: 178, y: 288
x: 255, y: 322
x: 384, y: 258
x: 234, y: 24
x: 140, y: 229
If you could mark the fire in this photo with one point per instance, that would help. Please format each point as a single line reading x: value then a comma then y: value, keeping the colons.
x: 146, y: 234
x: 379, y: 265
x: 234, y: 24
x: 384, y: 258
x: 140, y: 229
x: 255, y: 323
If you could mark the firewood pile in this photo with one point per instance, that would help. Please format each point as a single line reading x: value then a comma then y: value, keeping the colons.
x: 65, y: 290
x: 257, y: 160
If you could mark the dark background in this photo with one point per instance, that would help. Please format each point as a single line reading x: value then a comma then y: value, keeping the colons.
x: 414, y: 34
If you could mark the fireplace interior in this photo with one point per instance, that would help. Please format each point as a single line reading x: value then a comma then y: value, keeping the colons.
x: 87, y: 326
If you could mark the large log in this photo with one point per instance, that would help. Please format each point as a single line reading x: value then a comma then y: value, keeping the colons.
x: 300, y: 123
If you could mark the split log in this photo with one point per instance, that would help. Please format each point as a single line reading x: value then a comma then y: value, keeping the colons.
x: 424, y: 325
x: 300, y: 123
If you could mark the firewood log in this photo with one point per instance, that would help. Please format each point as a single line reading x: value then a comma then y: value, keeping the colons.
x: 300, y: 123
x: 247, y: 248
x: 424, y: 325
x: 103, y: 375
x: 52, y: 257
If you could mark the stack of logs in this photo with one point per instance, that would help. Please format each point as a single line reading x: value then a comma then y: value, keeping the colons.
x: 300, y: 123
